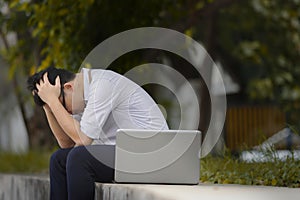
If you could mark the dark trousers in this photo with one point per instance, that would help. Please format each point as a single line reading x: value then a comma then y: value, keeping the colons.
x: 74, y: 171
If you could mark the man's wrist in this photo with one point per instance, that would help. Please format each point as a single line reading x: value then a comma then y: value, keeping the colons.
x: 53, y: 102
x: 46, y: 108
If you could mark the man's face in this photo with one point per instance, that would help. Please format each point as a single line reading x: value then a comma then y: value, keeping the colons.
x: 71, y: 99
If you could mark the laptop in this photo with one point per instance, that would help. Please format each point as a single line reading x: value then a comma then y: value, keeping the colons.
x: 157, y: 156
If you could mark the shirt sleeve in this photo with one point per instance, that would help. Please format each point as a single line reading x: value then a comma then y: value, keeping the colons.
x: 99, y: 105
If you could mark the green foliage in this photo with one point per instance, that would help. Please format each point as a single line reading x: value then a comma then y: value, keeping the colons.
x: 18, y: 55
x: 228, y: 170
x: 262, y: 37
x: 31, y: 162
x: 52, y: 25
x: 66, y: 31
x: 258, y: 40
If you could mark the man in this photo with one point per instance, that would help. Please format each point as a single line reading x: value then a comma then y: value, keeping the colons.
x: 84, y: 111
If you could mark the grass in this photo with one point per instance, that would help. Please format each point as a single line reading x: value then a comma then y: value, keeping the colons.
x: 228, y: 170
x: 221, y: 170
x: 31, y: 162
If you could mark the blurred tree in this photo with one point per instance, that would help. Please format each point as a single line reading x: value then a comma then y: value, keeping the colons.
x: 257, y: 40
x: 260, y: 41
x: 20, y: 52
x: 61, y: 33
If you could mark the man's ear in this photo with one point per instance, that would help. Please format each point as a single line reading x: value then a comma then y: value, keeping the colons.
x: 68, y: 86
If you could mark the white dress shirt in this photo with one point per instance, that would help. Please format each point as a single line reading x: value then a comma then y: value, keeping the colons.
x: 112, y: 102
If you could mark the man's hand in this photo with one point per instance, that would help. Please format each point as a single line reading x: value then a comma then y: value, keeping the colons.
x: 48, y: 92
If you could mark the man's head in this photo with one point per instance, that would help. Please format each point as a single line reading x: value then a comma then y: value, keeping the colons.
x: 64, y: 75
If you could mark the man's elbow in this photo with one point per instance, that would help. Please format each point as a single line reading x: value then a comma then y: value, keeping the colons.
x: 65, y: 145
x: 83, y: 140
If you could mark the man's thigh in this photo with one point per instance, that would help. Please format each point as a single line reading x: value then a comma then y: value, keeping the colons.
x: 96, y: 159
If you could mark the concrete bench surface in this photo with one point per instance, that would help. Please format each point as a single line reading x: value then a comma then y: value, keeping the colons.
x: 36, y: 187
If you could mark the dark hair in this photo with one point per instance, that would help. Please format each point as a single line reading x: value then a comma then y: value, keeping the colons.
x: 64, y: 75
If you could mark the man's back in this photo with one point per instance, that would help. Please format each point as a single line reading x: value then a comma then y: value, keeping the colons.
x: 112, y: 102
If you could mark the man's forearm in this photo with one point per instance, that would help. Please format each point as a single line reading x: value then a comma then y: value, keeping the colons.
x: 68, y: 124
x: 62, y: 138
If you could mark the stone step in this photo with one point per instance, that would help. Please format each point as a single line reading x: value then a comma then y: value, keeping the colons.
x: 36, y: 187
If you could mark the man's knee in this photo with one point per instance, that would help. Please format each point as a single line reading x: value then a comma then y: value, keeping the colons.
x: 59, y: 157
x: 76, y: 156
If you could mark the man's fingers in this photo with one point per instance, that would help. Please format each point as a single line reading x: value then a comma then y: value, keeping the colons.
x: 41, y: 81
x: 37, y: 87
x: 57, y: 81
x: 45, y: 78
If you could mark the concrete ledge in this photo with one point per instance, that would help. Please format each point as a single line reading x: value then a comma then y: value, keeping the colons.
x: 196, y: 192
x: 23, y: 187
x: 29, y: 187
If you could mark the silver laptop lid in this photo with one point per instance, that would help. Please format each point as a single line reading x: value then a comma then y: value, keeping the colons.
x: 157, y: 156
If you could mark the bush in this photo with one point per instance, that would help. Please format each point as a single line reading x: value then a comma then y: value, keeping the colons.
x: 228, y: 170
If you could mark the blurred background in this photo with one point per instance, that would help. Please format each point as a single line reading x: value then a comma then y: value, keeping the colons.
x: 255, y: 43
